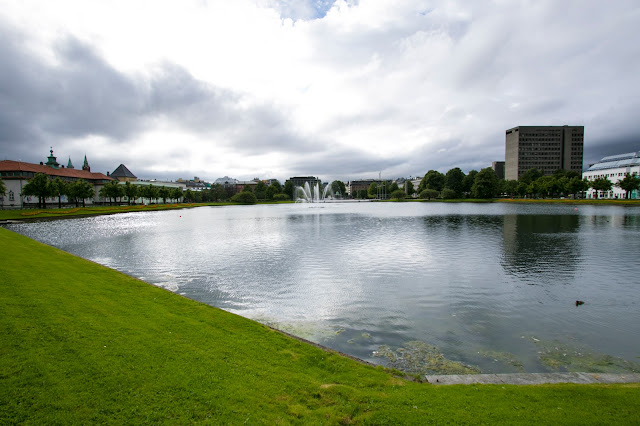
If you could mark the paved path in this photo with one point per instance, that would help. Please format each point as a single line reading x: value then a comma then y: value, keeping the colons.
x: 532, y: 378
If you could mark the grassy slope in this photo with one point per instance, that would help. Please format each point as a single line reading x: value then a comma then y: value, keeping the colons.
x: 80, y: 343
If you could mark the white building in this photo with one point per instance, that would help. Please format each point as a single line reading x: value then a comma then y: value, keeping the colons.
x: 614, y: 168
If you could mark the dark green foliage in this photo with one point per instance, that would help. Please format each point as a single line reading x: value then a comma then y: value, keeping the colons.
x: 58, y: 189
x: 486, y: 184
x: 164, y: 193
x: 38, y: 186
x: 448, y: 194
x: 428, y: 194
x: 281, y: 197
x: 289, y: 188
x: 245, y: 197
x: 130, y: 191
x: 467, y: 182
x: 398, y: 194
x: 410, y: 189
x: 111, y: 191
x: 373, y: 190
x: 531, y: 175
x: 631, y: 182
x: 3, y: 188
x: 432, y: 180
x: 454, y: 180
x: 600, y: 184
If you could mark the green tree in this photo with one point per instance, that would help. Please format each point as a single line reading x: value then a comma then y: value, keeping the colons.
x: 373, y: 190
x: 58, y: 189
x: 164, y: 193
x: 521, y: 189
x: 130, y: 191
x: 509, y: 187
x: 289, y: 188
x: 467, y: 182
x: 149, y: 192
x: 281, y: 197
x: 410, y: 189
x: 630, y: 183
x: 81, y: 190
x: 398, y: 194
x: 428, y: 194
x: 576, y: 186
x: 271, y: 191
x: 112, y: 190
x: 38, y: 186
x: 600, y: 184
x: 530, y: 176
x: 486, y: 184
x: 247, y: 188
x: 454, y: 180
x: 363, y: 194
x: 432, y: 180
x: 261, y: 191
x: 448, y: 194
x: 245, y: 197
x: 339, y: 189
x: 176, y: 194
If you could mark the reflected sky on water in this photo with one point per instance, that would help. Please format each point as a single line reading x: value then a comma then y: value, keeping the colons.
x: 471, y: 279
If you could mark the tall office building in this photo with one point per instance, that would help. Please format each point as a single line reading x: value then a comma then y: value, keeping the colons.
x: 546, y: 148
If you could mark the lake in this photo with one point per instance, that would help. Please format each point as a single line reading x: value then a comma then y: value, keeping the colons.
x: 423, y: 287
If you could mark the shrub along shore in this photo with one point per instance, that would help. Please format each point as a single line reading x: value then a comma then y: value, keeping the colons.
x: 81, y: 343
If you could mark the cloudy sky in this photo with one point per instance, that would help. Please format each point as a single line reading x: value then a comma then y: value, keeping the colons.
x: 340, y: 89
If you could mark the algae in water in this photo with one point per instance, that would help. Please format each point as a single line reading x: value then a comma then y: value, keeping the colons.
x: 422, y: 358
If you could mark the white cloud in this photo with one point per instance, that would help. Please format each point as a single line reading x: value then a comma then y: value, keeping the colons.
x: 249, y: 87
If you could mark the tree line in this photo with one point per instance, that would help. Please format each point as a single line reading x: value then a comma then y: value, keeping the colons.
x: 455, y: 184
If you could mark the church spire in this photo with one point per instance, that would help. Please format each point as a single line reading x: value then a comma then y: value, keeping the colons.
x: 51, y: 161
x: 85, y: 166
x: 70, y: 164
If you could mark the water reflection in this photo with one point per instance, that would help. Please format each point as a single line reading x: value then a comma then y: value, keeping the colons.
x: 541, y: 249
x: 484, y: 284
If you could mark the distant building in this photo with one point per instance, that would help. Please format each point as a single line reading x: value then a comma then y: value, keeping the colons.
x: 300, y: 181
x: 614, y: 168
x: 16, y: 174
x: 195, y: 184
x: 546, y: 148
x: 498, y: 168
x: 123, y: 174
x: 357, y: 185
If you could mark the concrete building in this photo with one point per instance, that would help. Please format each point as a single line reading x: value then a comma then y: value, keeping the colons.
x: 614, y: 168
x: 546, y: 148
x: 16, y: 174
x: 498, y: 168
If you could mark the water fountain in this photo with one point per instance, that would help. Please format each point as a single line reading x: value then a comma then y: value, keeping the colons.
x: 313, y: 194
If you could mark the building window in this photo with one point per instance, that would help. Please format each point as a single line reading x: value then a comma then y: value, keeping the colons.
x: 11, y: 196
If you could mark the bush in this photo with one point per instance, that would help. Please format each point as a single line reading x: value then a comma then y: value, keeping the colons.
x: 398, y: 194
x: 428, y: 194
x: 448, y: 194
x: 244, y: 197
x: 281, y: 197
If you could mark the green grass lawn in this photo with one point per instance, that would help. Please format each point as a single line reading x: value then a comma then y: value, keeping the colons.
x: 80, y: 343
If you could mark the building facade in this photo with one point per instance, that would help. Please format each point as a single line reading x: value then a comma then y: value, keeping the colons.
x: 614, y: 168
x: 546, y: 148
x: 16, y: 174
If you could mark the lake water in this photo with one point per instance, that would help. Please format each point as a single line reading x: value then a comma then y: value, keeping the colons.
x: 424, y: 287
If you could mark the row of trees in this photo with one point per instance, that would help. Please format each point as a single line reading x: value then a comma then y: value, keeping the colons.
x: 113, y: 191
x: 42, y: 187
x: 533, y: 183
